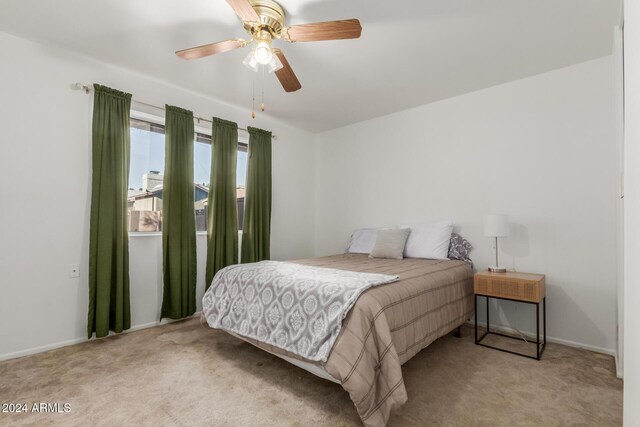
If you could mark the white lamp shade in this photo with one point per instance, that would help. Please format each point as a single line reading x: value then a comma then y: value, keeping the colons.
x: 496, y: 225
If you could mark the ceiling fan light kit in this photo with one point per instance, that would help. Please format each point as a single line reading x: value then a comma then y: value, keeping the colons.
x: 275, y: 64
x: 252, y: 63
x: 264, y: 21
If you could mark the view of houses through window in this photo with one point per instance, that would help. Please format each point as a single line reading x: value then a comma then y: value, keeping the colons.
x: 146, y: 173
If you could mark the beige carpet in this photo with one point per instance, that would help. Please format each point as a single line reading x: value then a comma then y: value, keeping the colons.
x: 184, y: 374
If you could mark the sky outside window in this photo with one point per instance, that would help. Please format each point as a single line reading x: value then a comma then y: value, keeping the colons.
x: 147, y: 154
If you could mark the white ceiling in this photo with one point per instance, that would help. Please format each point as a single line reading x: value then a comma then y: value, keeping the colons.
x: 411, y: 52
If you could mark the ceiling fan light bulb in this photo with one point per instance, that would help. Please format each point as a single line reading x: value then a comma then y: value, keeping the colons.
x: 263, y: 53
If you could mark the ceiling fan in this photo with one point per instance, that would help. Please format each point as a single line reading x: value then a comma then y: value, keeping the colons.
x: 264, y: 21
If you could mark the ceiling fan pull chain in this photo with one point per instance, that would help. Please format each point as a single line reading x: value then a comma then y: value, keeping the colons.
x: 262, y: 103
x: 253, y: 97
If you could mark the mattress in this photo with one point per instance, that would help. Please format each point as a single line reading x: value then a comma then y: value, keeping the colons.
x: 309, y: 366
x: 387, y: 326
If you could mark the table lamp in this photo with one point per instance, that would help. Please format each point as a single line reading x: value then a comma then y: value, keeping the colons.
x: 496, y: 225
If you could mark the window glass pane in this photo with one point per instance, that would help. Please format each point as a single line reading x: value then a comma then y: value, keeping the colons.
x: 241, y: 180
x: 147, y: 172
x: 144, y: 198
x: 241, y: 175
x: 202, y: 173
x: 201, y: 177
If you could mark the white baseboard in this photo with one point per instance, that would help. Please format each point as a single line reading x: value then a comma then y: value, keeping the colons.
x: 555, y: 340
x: 53, y: 346
x: 618, y: 367
x: 41, y: 349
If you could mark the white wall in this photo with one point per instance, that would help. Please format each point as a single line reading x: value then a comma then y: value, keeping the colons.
x: 618, y: 59
x: 44, y: 228
x: 632, y: 214
x: 540, y: 149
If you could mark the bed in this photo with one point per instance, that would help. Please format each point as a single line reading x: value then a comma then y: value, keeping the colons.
x: 386, y: 326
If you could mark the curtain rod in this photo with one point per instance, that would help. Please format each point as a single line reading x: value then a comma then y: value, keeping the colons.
x: 87, y: 89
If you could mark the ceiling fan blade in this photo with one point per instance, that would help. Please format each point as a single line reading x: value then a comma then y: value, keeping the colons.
x: 244, y: 10
x: 287, y: 77
x: 211, y: 49
x: 331, y: 30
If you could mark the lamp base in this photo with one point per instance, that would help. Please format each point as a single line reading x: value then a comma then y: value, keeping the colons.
x: 497, y: 269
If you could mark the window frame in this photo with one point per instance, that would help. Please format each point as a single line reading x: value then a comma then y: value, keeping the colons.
x: 200, y: 132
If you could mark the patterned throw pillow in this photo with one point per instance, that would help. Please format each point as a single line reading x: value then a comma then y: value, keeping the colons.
x: 459, y: 248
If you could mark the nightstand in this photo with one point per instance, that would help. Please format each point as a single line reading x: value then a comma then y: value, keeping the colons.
x: 520, y: 287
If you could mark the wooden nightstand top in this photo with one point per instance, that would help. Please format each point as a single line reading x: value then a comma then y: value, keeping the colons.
x: 513, y: 275
x: 525, y: 287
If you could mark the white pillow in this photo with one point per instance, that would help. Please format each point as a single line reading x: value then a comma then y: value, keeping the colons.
x: 429, y: 241
x: 363, y: 241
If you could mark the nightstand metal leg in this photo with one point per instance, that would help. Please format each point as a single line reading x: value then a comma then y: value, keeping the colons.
x: 488, y: 328
x: 538, y: 331
x: 544, y: 325
x: 475, y: 310
x: 544, y: 319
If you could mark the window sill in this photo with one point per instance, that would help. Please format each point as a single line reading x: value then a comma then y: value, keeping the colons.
x: 159, y: 233
x: 145, y: 233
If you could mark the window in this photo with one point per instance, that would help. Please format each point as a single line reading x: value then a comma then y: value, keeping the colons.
x: 146, y: 173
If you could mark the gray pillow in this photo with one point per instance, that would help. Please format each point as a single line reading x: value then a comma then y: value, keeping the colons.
x: 390, y: 243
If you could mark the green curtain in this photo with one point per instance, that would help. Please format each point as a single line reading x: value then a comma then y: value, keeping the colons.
x: 222, y: 210
x: 256, y: 230
x: 178, y: 216
x: 109, y: 307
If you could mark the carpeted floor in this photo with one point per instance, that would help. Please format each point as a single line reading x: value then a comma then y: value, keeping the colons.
x: 185, y: 374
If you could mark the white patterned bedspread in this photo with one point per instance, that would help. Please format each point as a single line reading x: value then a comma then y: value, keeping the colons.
x: 294, y: 307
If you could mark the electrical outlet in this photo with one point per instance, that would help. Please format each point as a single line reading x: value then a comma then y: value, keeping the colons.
x: 74, y: 271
